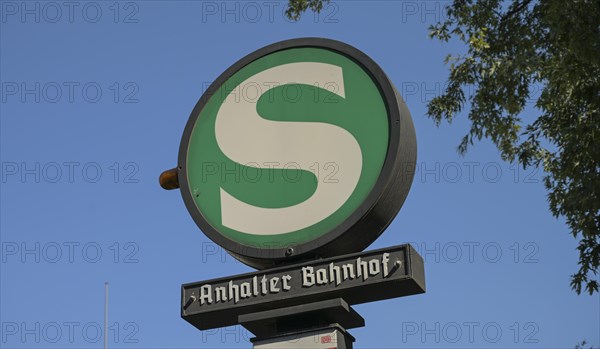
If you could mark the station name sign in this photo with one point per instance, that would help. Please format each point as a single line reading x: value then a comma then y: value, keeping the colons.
x: 356, y: 278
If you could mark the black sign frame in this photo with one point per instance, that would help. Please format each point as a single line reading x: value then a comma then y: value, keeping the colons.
x: 377, y: 211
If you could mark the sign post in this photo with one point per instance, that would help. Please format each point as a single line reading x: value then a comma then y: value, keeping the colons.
x: 295, y: 160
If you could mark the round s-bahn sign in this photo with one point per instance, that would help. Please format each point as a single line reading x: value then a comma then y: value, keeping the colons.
x: 301, y: 150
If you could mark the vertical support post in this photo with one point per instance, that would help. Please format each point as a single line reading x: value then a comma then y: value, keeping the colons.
x: 330, y: 337
x: 106, y: 315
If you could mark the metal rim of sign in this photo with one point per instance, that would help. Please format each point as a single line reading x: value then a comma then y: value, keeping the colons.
x: 375, y: 213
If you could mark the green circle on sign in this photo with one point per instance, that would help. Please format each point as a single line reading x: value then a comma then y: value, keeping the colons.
x: 337, y: 110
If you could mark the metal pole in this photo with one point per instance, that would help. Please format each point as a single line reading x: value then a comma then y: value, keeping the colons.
x: 106, y: 315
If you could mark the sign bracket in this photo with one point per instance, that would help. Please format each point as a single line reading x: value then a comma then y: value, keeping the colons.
x: 301, y: 317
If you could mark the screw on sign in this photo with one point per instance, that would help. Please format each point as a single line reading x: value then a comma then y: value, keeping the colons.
x: 302, y: 149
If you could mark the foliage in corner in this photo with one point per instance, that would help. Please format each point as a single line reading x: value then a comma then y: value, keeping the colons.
x: 582, y: 345
x: 297, y: 7
x: 512, y: 50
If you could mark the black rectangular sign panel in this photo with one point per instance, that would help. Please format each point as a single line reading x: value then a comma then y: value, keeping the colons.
x: 357, y: 278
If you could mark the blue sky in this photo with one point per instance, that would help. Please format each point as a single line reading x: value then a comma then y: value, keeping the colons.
x: 95, y: 96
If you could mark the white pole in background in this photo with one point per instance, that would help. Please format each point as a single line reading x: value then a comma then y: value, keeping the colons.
x: 106, y: 315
